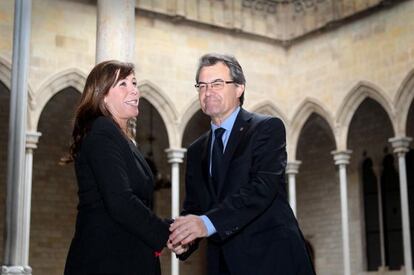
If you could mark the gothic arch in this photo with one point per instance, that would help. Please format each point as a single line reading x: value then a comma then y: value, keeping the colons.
x: 165, y: 108
x: 303, y: 112
x: 402, y: 102
x: 268, y: 107
x: 67, y: 78
x: 351, y: 103
x: 6, y: 79
x: 190, y: 110
x: 5, y: 72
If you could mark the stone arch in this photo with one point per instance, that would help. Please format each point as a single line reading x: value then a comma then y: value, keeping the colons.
x: 53, y: 194
x: 190, y: 110
x: 268, y: 107
x: 6, y: 79
x: 303, y: 112
x: 165, y: 108
x: 317, y: 187
x: 64, y: 79
x: 402, y: 102
x: 5, y: 72
x: 351, y: 103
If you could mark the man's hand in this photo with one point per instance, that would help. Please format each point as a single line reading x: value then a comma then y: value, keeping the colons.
x: 178, y: 249
x: 186, y: 229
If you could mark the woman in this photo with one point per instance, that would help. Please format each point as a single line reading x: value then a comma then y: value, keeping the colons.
x: 116, y: 232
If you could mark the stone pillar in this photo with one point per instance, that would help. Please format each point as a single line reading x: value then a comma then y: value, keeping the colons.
x: 292, y: 169
x: 32, y: 138
x: 382, y: 267
x: 341, y: 159
x: 15, y: 250
x: 175, y: 157
x: 400, y: 145
x: 115, y: 38
x: 381, y: 225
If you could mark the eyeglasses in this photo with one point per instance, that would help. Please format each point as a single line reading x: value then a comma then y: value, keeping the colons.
x: 216, y: 85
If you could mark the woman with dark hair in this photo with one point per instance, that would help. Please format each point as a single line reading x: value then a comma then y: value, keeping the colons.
x: 116, y: 231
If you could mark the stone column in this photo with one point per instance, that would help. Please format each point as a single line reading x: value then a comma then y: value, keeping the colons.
x: 115, y: 38
x: 341, y: 159
x: 15, y: 250
x: 292, y: 169
x: 381, y: 224
x: 400, y: 145
x: 175, y: 157
x: 32, y: 138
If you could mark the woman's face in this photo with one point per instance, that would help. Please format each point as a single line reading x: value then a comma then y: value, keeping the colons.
x: 122, y: 100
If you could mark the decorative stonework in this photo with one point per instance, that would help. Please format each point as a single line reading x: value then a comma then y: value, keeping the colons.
x: 402, y: 102
x: 16, y: 270
x: 281, y: 20
x: 164, y: 106
x: 175, y: 155
x: 269, y: 108
x: 342, y: 157
x: 302, y: 113
x: 32, y: 138
x: 67, y: 78
x: 292, y: 167
x: 401, y: 145
x: 352, y: 101
x: 274, y: 6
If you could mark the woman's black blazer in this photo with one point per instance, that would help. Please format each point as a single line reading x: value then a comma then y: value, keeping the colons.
x: 116, y: 231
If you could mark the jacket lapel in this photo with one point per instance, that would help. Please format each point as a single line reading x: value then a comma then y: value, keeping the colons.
x: 240, y: 127
x: 142, y: 161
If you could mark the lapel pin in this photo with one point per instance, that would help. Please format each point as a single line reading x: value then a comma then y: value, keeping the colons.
x: 241, y: 129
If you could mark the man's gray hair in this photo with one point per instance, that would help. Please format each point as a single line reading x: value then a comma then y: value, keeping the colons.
x: 230, y: 61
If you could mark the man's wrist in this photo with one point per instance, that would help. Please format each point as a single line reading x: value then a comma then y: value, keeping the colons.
x: 209, y: 225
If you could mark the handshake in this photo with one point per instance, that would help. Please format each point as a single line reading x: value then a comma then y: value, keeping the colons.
x: 183, y: 231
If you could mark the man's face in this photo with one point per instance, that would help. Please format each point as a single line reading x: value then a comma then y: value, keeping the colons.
x: 218, y: 103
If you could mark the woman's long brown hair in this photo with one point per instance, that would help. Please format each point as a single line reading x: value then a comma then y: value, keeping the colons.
x: 103, y: 76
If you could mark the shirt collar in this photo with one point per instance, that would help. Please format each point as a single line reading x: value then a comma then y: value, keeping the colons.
x: 228, y: 123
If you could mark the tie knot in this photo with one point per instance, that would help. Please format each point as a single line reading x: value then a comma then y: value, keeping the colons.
x: 218, y: 133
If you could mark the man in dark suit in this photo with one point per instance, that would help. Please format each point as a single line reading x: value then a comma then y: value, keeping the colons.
x: 235, y: 184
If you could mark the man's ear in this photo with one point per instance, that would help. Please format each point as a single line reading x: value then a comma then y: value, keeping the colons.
x: 239, y: 90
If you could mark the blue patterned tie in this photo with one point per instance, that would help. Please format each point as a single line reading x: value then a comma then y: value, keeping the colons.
x: 217, y: 156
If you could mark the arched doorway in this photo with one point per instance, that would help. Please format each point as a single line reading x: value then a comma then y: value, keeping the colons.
x: 368, y: 135
x: 152, y: 140
x: 318, y: 194
x: 54, y: 198
x: 196, y: 126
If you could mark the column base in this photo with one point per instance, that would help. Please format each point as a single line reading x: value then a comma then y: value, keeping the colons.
x: 16, y: 270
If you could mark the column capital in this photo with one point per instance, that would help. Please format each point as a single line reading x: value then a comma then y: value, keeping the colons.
x: 292, y: 167
x: 400, y: 144
x: 341, y: 157
x: 175, y: 155
x: 32, y: 138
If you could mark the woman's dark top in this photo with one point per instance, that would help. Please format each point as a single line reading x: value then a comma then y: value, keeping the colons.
x: 116, y: 231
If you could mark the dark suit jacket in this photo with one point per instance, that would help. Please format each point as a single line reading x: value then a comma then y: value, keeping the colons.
x: 257, y: 232
x: 116, y: 231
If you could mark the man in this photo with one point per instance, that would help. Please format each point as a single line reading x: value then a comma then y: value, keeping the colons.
x: 235, y: 185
